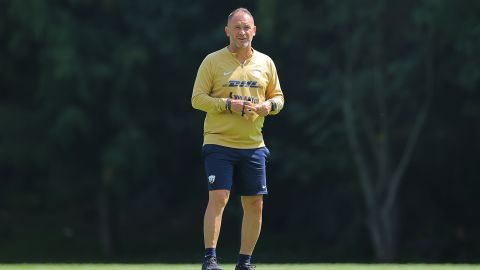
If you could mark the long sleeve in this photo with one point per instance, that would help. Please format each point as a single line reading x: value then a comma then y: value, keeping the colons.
x: 201, y: 99
x: 274, y: 91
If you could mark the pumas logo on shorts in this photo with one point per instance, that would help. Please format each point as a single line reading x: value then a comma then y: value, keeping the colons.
x: 211, y: 179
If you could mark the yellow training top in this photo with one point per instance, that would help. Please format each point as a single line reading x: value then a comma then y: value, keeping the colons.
x: 221, y: 76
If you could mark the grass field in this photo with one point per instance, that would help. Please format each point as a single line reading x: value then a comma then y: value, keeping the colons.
x: 231, y: 267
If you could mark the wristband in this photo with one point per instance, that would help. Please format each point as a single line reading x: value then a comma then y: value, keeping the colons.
x: 273, y: 105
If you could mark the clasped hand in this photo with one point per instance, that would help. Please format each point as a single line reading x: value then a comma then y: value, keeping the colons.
x: 247, y: 109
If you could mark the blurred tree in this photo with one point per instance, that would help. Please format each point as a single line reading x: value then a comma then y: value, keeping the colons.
x: 374, y: 64
x: 381, y: 150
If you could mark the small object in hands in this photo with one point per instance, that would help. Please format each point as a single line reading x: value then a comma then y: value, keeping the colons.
x: 243, y: 108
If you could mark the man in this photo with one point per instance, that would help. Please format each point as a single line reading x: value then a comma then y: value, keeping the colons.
x: 237, y: 87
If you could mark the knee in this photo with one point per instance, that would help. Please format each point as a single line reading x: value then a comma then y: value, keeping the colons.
x: 218, y: 198
x: 254, y: 205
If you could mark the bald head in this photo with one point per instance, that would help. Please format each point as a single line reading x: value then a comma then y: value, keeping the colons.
x: 239, y: 10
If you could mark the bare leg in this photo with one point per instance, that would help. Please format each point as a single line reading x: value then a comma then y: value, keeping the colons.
x: 252, y: 222
x: 212, y: 221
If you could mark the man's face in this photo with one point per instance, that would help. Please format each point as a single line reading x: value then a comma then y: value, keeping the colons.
x: 241, y: 30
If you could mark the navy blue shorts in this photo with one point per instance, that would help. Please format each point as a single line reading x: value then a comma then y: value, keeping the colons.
x: 242, y: 170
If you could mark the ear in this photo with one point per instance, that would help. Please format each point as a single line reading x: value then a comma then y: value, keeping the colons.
x: 226, y: 31
x: 254, y: 30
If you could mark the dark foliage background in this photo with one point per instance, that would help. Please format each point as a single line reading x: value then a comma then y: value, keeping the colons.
x: 374, y: 158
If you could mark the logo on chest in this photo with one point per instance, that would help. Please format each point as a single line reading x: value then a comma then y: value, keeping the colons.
x: 236, y: 83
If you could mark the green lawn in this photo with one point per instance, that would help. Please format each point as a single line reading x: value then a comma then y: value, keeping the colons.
x: 231, y: 267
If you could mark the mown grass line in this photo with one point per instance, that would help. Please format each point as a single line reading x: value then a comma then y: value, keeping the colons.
x: 230, y: 266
